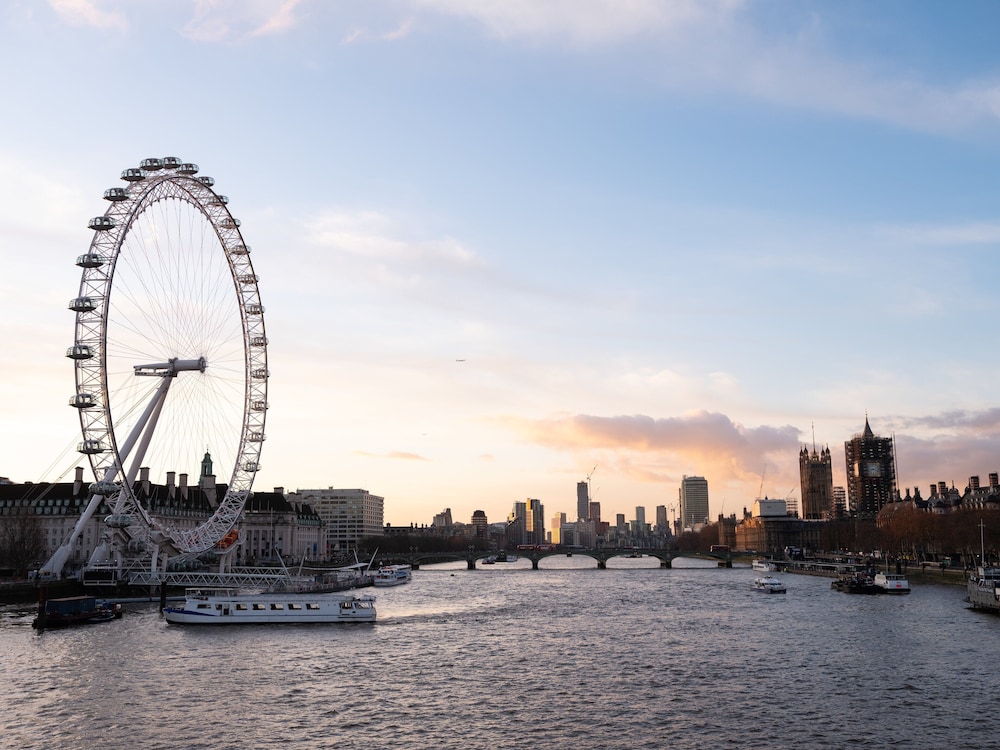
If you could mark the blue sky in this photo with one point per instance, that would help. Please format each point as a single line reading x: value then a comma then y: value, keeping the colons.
x: 666, y: 238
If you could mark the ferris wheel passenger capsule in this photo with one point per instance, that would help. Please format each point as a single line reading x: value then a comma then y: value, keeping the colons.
x: 90, y: 447
x: 116, y: 194
x: 188, y: 168
x: 83, y: 401
x: 118, y: 521
x: 82, y: 305
x: 239, y: 250
x: 206, y: 181
x: 104, y: 488
x: 151, y: 165
x: 80, y: 351
x: 133, y: 175
x: 171, y: 162
x: 101, y: 223
x: 90, y: 260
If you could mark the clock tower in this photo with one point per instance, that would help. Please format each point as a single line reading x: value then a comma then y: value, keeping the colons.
x: 871, y: 473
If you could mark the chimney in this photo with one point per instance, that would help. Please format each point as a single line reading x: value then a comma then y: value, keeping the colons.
x: 183, y: 482
x: 78, y: 481
x: 170, y: 485
x: 994, y: 481
x: 974, y: 483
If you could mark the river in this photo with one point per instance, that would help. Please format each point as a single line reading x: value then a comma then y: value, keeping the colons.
x: 508, y: 657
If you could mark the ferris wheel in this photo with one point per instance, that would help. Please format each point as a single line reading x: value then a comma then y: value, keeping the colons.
x: 170, y: 359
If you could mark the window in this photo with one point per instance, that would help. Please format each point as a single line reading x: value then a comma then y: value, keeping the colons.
x: 258, y: 606
x: 277, y: 605
x: 295, y: 606
x: 312, y: 605
x: 241, y: 607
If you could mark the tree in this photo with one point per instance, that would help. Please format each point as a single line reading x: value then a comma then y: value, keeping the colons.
x: 22, y: 543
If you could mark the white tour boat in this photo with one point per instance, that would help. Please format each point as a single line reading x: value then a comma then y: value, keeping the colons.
x: 769, y: 585
x: 892, y: 583
x: 764, y: 566
x: 227, y: 606
x: 392, y: 575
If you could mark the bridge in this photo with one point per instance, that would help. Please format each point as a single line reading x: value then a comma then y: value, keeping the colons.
x: 666, y: 556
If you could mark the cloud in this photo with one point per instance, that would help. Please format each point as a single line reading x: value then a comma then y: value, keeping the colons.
x: 589, y: 22
x: 231, y: 20
x: 282, y: 21
x: 404, y: 455
x: 660, y: 449
x: 86, y: 13
x: 974, y: 233
x: 370, y: 235
x: 400, y: 32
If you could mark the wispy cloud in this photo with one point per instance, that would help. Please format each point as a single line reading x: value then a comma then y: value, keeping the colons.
x: 403, y: 455
x: 589, y: 22
x: 232, y: 20
x: 974, y: 233
x: 362, y: 34
x: 87, y: 13
x: 283, y: 20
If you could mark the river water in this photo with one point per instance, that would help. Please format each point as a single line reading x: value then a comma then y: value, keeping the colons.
x: 508, y: 657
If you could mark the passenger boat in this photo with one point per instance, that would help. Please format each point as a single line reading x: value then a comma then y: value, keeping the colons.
x: 768, y: 585
x: 984, y: 589
x: 892, y: 583
x: 984, y: 583
x: 73, y: 610
x: 227, y: 606
x: 764, y: 566
x: 392, y: 575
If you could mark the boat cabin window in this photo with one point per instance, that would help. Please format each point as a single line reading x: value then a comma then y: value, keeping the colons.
x: 258, y: 605
x: 204, y: 605
x: 277, y: 605
x: 240, y: 606
x: 312, y: 605
x: 347, y: 605
x: 295, y: 606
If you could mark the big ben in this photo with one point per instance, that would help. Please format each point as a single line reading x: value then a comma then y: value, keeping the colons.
x: 871, y: 474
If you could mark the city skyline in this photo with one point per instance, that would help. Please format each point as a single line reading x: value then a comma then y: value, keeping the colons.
x: 508, y: 247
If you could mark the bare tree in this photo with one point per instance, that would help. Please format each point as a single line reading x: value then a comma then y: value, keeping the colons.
x: 22, y: 543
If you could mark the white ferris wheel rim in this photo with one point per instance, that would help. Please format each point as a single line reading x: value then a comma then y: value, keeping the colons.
x: 168, y: 282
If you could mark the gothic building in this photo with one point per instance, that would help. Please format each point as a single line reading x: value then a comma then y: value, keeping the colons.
x: 816, y: 482
x: 871, y: 472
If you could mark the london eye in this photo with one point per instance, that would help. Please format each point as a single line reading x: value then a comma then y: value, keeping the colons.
x: 170, y: 361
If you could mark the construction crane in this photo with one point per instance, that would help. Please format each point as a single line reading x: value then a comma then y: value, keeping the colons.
x: 589, y: 496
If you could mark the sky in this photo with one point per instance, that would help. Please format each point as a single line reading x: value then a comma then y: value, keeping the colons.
x: 506, y: 245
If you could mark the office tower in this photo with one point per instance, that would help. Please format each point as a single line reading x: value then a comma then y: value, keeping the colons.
x: 535, y: 522
x: 693, y: 496
x: 595, y: 512
x: 480, y: 524
x: 517, y: 524
x: 816, y: 482
x: 871, y: 472
x: 558, y: 523
x: 582, y: 501
x: 662, y: 525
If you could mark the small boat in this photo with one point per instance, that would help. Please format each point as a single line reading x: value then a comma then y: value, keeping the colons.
x: 392, y: 575
x: 74, y: 610
x: 226, y: 606
x: 857, y: 583
x: 764, y: 566
x: 892, y: 583
x: 768, y: 585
